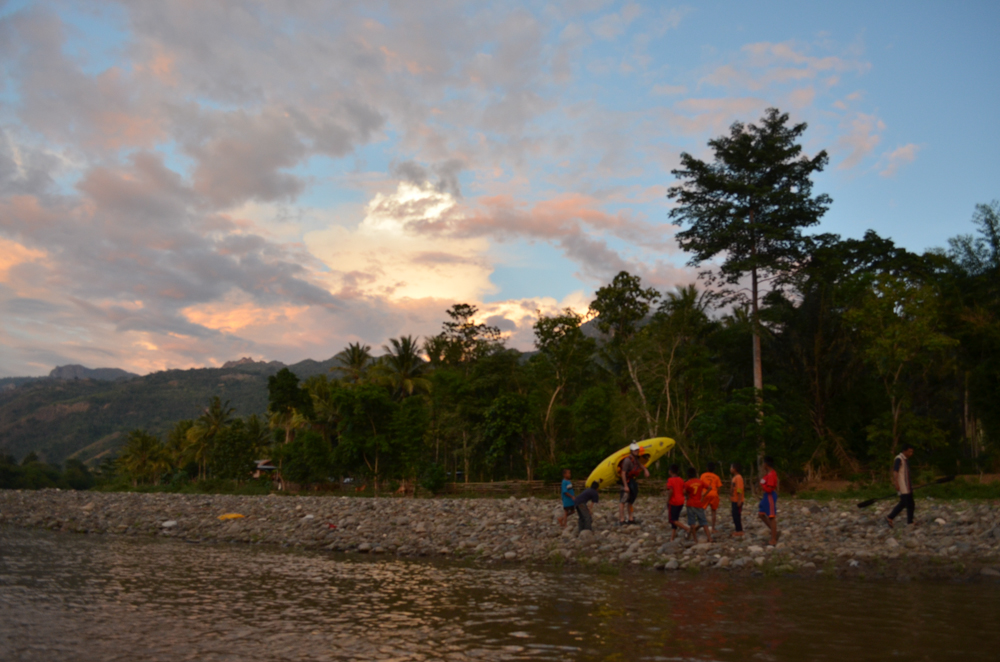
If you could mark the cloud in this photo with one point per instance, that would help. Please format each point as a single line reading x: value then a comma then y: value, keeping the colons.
x: 385, y: 256
x: 762, y: 65
x: 860, y: 140
x: 668, y: 90
x: 613, y: 25
x: 897, y: 158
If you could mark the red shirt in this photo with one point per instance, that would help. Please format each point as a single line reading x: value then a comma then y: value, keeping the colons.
x: 694, y: 488
x: 770, y: 482
x: 676, y: 487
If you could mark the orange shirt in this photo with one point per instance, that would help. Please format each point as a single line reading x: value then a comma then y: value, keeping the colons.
x: 712, y: 483
x: 737, y: 493
x: 693, y: 490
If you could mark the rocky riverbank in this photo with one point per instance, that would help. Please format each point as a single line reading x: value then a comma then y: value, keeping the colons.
x: 953, y: 539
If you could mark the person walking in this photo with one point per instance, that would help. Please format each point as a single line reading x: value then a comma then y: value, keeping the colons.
x: 568, y: 498
x: 695, y: 491
x: 628, y: 471
x: 585, y: 508
x: 675, y: 503
x: 767, y: 511
x: 736, y: 498
x: 901, y: 481
x: 712, y: 483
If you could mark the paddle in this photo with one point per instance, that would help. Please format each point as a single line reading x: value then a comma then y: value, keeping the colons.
x: 946, y: 479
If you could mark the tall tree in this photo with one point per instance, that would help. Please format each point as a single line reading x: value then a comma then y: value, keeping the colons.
x: 403, y: 368
x: 567, y: 351
x: 144, y: 457
x: 206, y: 429
x: 286, y: 399
x: 750, y: 206
x: 899, y: 325
x: 620, y: 307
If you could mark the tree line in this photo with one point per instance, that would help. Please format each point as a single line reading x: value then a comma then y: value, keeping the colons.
x: 827, y: 352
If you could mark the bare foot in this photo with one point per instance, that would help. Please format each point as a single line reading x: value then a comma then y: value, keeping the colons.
x: 889, y: 522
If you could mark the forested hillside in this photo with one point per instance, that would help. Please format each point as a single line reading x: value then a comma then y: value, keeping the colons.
x: 87, y: 418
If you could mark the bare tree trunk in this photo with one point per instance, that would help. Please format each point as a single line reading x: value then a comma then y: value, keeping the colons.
x: 650, y: 421
x: 465, y: 453
x: 758, y: 371
x: 551, y: 433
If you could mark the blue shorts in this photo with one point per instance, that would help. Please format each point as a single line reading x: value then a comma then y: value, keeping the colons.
x: 697, y: 516
x: 769, y: 504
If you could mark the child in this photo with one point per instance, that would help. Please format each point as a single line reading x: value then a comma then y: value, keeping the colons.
x: 736, y: 497
x: 568, y: 501
x: 584, y: 509
x: 767, y: 511
x: 712, y: 483
x: 694, y: 489
x: 676, y: 501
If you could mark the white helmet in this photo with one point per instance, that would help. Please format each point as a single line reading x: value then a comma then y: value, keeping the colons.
x: 633, y: 447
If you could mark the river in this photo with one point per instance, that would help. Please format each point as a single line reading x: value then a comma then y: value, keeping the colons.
x: 68, y: 597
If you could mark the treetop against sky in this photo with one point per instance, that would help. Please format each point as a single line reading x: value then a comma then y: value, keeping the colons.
x: 185, y: 183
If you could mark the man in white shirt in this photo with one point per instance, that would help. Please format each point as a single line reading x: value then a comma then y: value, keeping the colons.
x: 901, y: 481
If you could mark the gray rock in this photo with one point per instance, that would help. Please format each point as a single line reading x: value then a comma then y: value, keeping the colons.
x: 989, y: 572
x: 672, y: 564
x: 510, y: 556
x: 364, y: 547
x: 169, y: 524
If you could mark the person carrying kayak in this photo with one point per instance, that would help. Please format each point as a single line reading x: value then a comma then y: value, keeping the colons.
x: 628, y: 471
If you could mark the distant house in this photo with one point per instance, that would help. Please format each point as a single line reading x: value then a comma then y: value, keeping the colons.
x: 264, y: 468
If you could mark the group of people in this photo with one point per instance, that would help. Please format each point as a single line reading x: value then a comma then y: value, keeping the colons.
x: 699, y: 494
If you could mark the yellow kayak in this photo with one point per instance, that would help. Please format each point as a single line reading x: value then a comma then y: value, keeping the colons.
x: 650, y: 451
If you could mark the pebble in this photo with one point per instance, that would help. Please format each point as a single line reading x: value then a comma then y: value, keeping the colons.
x: 828, y: 534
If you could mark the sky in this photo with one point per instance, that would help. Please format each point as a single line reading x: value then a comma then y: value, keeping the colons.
x: 186, y: 183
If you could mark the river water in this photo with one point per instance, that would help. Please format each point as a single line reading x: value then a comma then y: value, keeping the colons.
x: 68, y: 597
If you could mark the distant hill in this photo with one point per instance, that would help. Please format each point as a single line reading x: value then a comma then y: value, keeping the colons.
x: 87, y: 416
x: 99, y: 374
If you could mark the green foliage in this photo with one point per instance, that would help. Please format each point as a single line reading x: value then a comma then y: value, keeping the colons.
x: 434, y: 478
x: 144, y: 459
x: 234, y: 451
x: 307, y: 459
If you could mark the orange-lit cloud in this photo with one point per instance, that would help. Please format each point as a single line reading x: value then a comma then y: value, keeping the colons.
x: 13, y: 254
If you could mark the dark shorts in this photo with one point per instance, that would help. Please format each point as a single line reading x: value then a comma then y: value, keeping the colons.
x: 629, y: 496
x: 769, y: 504
x: 568, y: 510
x: 674, y: 513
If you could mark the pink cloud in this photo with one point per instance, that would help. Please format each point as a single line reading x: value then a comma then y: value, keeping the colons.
x: 899, y: 157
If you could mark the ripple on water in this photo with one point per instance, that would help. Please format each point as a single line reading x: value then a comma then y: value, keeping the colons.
x: 71, y: 597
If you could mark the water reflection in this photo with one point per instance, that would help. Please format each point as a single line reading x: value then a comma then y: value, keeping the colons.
x: 100, y: 598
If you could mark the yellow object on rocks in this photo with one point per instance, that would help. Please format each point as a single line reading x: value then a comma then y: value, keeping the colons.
x: 229, y: 516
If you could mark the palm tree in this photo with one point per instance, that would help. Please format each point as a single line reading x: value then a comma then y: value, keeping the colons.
x: 144, y: 457
x: 354, y: 362
x: 206, y: 428
x: 176, y: 444
x: 402, y: 367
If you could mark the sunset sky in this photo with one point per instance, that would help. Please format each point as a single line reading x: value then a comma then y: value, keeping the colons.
x: 185, y: 183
